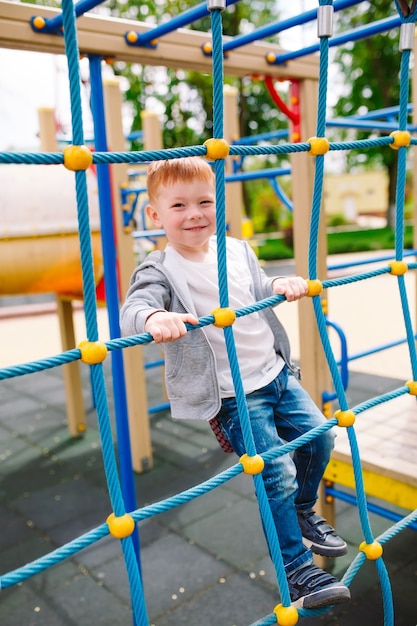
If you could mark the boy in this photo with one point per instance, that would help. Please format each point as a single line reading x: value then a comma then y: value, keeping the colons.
x: 179, y: 285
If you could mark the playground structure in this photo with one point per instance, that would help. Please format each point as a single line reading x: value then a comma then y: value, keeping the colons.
x: 302, y: 166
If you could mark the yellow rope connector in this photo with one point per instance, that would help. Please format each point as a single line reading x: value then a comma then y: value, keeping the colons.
x: 345, y: 418
x: 132, y: 36
x: 77, y: 158
x: 271, y: 57
x: 398, y: 268
x: 216, y: 149
x: 92, y: 352
x: 372, y: 551
x: 38, y: 23
x: 318, y: 145
x: 223, y: 317
x: 412, y: 385
x: 120, y: 527
x: 315, y: 287
x: 252, y: 464
x: 286, y: 615
x: 327, y: 409
x: 207, y: 48
x: 401, y: 138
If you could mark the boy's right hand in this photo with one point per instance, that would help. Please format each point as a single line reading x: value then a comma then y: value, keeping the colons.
x: 166, y: 326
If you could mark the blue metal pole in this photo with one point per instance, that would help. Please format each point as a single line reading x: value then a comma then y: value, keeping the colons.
x: 372, y: 508
x: 55, y: 23
x: 184, y: 19
x: 362, y: 32
x: 387, y: 113
x: 277, y: 27
x: 257, y: 174
x: 112, y: 291
x: 364, y: 125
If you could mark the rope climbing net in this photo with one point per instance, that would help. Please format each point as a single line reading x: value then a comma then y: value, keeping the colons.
x: 78, y: 158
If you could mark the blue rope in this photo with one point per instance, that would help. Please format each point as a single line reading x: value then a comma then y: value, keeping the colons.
x: 90, y: 307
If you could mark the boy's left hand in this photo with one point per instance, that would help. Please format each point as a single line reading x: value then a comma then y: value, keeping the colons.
x: 292, y: 287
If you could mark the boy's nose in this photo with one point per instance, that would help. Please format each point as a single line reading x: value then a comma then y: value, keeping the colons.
x: 194, y: 211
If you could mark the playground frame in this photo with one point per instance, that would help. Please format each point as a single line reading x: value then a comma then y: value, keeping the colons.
x: 98, y: 36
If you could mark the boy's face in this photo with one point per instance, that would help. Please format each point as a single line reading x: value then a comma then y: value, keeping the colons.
x: 186, y: 210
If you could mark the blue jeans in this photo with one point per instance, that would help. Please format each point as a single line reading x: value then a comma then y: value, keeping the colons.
x: 279, y: 413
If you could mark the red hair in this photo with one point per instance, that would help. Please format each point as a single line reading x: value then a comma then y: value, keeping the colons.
x: 173, y: 170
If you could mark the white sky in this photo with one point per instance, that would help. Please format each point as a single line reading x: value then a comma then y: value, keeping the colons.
x: 29, y: 80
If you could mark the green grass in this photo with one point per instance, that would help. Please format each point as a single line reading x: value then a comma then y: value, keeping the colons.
x: 361, y: 240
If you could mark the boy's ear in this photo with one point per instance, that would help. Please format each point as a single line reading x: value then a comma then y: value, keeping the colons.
x: 153, y: 216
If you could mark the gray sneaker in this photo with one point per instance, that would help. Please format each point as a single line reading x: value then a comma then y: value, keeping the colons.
x: 312, y: 588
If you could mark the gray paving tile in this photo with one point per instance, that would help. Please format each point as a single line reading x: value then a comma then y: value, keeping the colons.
x: 17, y: 555
x: 14, y: 529
x: 233, y: 601
x: 199, y: 509
x: 63, y: 503
x: 233, y: 534
x: 173, y: 571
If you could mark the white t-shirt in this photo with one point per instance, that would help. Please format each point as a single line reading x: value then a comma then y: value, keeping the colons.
x: 258, y: 362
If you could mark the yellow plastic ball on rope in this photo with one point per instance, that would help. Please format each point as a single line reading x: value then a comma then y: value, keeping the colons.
x: 271, y: 57
x: 216, y: 149
x: 92, y: 352
x: 38, y: 22
x: 223, y: 316
x: 252, y: 464
x: 345, y: 418
x: 315, y: 287
x: 401, y: 138
x: 77, y: 158
x: 412, y: 386
x: 286, y: 615
x: 372, y: 551
x: 122, y: 526
x: 398, y: 268
x: 318, y: 145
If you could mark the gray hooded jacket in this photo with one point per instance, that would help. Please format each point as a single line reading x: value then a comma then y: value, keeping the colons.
x: 190, y: 363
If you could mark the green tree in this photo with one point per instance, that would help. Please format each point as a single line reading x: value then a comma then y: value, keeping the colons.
x: 370, y: 69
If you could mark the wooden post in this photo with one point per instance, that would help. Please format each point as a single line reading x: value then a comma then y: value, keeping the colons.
x: 152, y: 136
x: 313, y: 363
x: 312, y: 358
x: 234, y: 196
x: 77, y: 423
x: 71, y: 371
x: 152, y: 140
x: 47, y: 129
x: 133, y: 357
